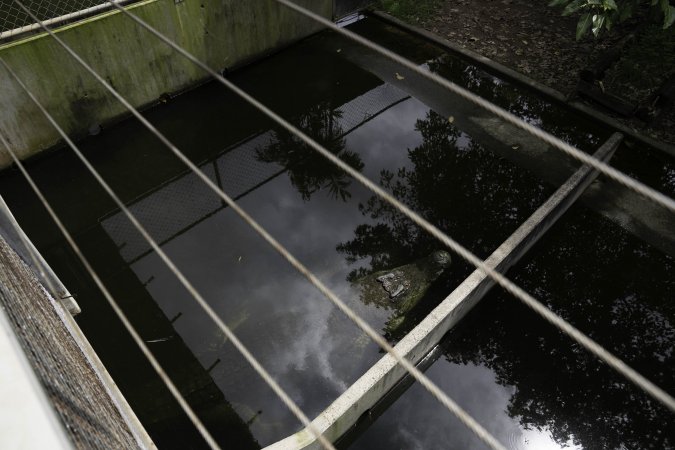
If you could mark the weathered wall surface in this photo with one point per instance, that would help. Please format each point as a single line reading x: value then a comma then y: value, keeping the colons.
x: 223, y: 33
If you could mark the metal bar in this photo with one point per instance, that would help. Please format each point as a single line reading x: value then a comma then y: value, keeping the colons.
x: 538, y: 307
x: 361, y: 396
x: 646, y: 191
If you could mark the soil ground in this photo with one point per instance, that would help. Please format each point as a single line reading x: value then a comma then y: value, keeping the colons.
x: 532, y: 38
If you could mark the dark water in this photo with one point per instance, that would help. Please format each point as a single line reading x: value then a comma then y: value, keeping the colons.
x: 450, y: 162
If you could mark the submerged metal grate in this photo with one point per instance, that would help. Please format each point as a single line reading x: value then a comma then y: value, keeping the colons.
x: 186, y: 201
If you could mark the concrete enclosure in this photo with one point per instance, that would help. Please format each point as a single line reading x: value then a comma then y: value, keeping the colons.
x: 224, y: 34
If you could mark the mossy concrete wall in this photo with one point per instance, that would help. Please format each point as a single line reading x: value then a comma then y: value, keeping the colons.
x: 223, y: 33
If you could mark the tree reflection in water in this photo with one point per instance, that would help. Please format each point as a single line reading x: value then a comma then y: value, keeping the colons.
x: 308, y: 171
x: 465, y: 190
x: 612, y: 286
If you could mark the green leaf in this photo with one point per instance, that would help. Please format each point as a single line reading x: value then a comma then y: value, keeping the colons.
x: 583, y: 25
x: 598, y: 21
x: 594, y: 2
x: 574, y: 6
x: 609, y: 5
x: 654, y: 2
x: 664, y: 4
x: 558, y: 2
x: 669, y: 17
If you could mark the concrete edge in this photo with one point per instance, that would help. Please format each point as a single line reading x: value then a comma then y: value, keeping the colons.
x: 384, y: 375
x: 24, y: 247
x: 19, y: 384
x: 64, y: 310
x: 135, y: 426
x: 516, y: 77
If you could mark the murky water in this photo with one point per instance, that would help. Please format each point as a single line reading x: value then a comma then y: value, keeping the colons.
x: 466, y: 173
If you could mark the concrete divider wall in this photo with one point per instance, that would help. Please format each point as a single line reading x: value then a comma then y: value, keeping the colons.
x: 223, y: 33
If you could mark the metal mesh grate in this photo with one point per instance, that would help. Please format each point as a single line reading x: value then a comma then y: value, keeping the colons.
x: 14, y: 21
x: 185, y: 201
x: 369, y: 105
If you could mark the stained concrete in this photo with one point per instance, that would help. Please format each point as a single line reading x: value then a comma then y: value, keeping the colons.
x: 223, y: 34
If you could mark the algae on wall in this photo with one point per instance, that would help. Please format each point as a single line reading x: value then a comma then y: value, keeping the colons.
x: 141, y: 67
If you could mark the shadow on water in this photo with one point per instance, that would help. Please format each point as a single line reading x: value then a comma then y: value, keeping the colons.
x: 464, y: 172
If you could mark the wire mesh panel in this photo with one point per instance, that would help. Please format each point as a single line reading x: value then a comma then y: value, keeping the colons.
x: 14, y: 21
x: 369, y: 105
x: 185, y: 201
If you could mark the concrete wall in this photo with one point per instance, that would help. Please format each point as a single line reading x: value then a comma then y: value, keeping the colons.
x: 223, y: 33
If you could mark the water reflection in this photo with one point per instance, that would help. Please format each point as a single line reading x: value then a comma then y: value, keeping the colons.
x: 308, y: 170
x: 417, y: 421
x: 455, y: 175
x: 536, y: 382
x: 297, y: 334
x: 446, y: 173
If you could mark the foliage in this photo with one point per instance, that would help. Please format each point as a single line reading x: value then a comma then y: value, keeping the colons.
x: 308, y: 170
x: 597, y: 15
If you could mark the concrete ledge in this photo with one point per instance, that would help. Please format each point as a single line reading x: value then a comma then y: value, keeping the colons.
x: 64, y: 309
x: 25, y: 408
x: 88, y: 412
x: 518, y: 78
x: 361, y: 396
x: 22, y: 245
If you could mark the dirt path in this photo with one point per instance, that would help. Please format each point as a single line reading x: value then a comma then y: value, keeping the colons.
x: 532, y: 38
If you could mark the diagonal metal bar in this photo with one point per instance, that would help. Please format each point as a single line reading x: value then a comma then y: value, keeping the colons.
x: 589, y: 344
x: 113, y: 303
x: 450, y: 404
x: 262, y: 372
x: 652, y: 194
